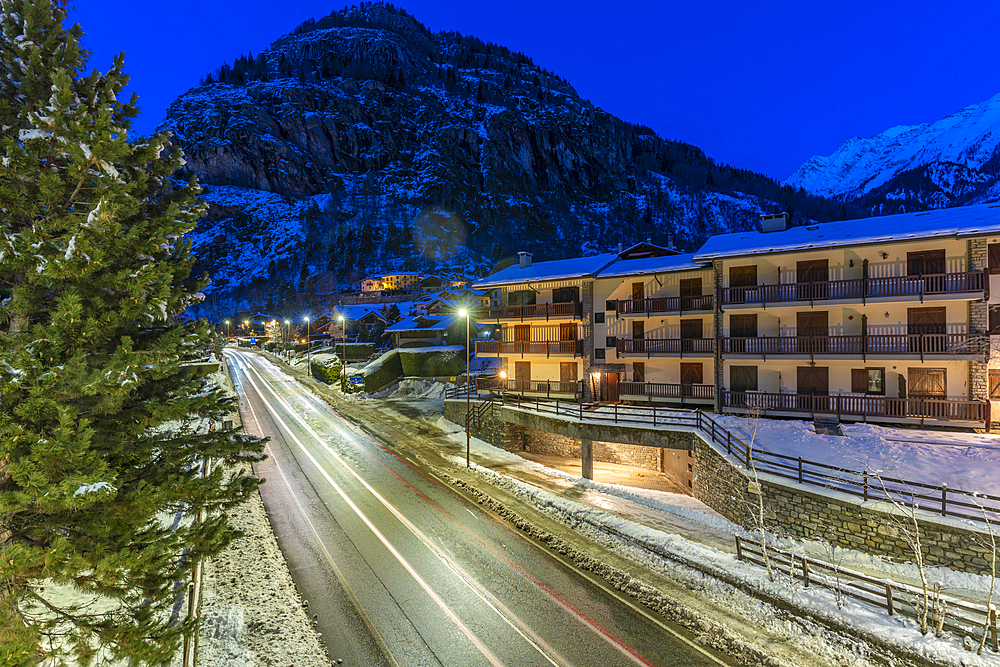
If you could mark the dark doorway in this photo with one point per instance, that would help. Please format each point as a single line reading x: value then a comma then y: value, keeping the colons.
x: 638, y: 334
x: 690, y: 293
x: 928, y: 262
x: 610, y: 382
x: 812, y: 330
x: 813, y: 278
x: 690, y: 330
x: 813, y: 380
x: 741, y: 279
x: 742, y: 327
x: 926, y: 329
x: 638, y: 372
x: 522, y: 375
x: 691, y: 374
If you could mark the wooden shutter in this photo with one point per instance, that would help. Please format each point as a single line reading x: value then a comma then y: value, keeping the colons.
x: 638, y: 372
x: 928, y: 262
x: 813, y: 380
x: 567, y: 372
x: 692, y: 329
x: 522, y: 333
x: 743, y: 378
x: 638, y: 291
x: 690, y: 287
x: 567, y: 331
x: 993, y: 257
x: 995, y: 384
x: 928, y: 382
x: 859, y: 380
x: 813, y: 277
x: 743, y: 326
x: 693, y: 373
x: 743, y: 276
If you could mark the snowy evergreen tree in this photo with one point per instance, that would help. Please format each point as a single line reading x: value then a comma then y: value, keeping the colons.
x: 102, y: 426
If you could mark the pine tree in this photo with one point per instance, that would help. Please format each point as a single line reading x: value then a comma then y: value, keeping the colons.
x: 102, y: 426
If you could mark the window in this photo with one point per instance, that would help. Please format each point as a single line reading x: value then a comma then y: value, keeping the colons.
x: 741, y: 279
x: 994, y: 319
x: 993, y: 257
x: 929, y: 382
x: 566, y: 295
x: 868, y: 380
x: 743, y: 378
x: 690, y: 286
x: 522, y: 298
x: 611, y: 304
x: 598, y: 353
x: 638, y: 372
x: 567, y: 373
x: 925, y: 263
x: 598, y: 318
x: 611, y: 341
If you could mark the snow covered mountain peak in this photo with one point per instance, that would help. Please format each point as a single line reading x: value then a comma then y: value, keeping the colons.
x: 967, y: 139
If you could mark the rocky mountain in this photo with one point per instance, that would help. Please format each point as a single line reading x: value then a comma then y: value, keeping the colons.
x: 364, y: 142
x: 950, y: 162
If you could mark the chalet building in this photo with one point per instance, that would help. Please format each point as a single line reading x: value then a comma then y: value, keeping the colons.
x: 653, y: 330
x: 396, y: 281
x: 881, y: 319
x: 369, y: 285
x: 425, y: 331
x: 544, y: 325
x: 348, y: 321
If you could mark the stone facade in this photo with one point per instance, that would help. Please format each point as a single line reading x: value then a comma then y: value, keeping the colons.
x: 717, y: 332
x: 587, y: 299
x: 979, y: 389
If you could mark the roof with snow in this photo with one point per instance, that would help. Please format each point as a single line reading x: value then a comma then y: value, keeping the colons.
x: 427, y: 323
x: 955, y: 222
x: 356, y: 312
x: 559, y: 269
x: 648, y: 265
x: 646, y: 249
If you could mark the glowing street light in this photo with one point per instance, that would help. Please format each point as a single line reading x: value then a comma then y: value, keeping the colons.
x: 343, y: 355
x: 468, y: 393
x: 227, y: 330
x: 308, y: 348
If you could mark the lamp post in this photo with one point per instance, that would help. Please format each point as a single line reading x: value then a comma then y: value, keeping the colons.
x: 288, y: 335
x: 468, y: 392
x: 503, y: 385
x: 227, y: 331
x: 343, y: 355
x: 309, y: 368
x: 596, y: 386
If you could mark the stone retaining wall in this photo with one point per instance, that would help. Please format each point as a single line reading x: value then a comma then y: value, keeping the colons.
x: 873, y: 527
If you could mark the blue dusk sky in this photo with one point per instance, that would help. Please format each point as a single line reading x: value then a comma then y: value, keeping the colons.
x: 759, y: 85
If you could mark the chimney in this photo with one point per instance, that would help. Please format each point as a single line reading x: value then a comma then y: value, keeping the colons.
x: 777, y: 222
x: 524, y: 259
x: 620, y: 248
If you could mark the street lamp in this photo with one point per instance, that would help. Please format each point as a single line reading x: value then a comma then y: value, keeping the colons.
x: 503, y: 385
x: 468, y: 393
x: 288, y: 337
x: 227, y: 331
x: 596, y: 385
x: 343, y: 355
x: 309, y: 368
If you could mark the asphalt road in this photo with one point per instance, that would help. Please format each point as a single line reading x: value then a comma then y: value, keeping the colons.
x: 401, y: 569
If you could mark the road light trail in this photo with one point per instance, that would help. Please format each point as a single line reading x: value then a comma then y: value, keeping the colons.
x: 307, y: 404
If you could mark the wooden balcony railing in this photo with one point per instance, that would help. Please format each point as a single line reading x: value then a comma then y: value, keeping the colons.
x: 867, y: 406
x: 862, y: 345
x: 568, y: 309
x: 651, y: 346
x: 548, y: 348
x: 545, y: 388
x: 858, y: 288
x: 663, y: 304
x: 664, y: 390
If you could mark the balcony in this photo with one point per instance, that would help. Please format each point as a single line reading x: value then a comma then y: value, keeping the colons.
x: 665, y: 304
x: 534, y: 311
x: 654, y: 390
x: 889, y: 345
x: 650, y: 346
x: 545, y: 348
x: 859, y: 289
x: 547, y: 388
x: 874, y: 408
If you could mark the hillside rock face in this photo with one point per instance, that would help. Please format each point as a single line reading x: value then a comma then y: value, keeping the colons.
x: 949, y: 162
x: 364, y: 142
